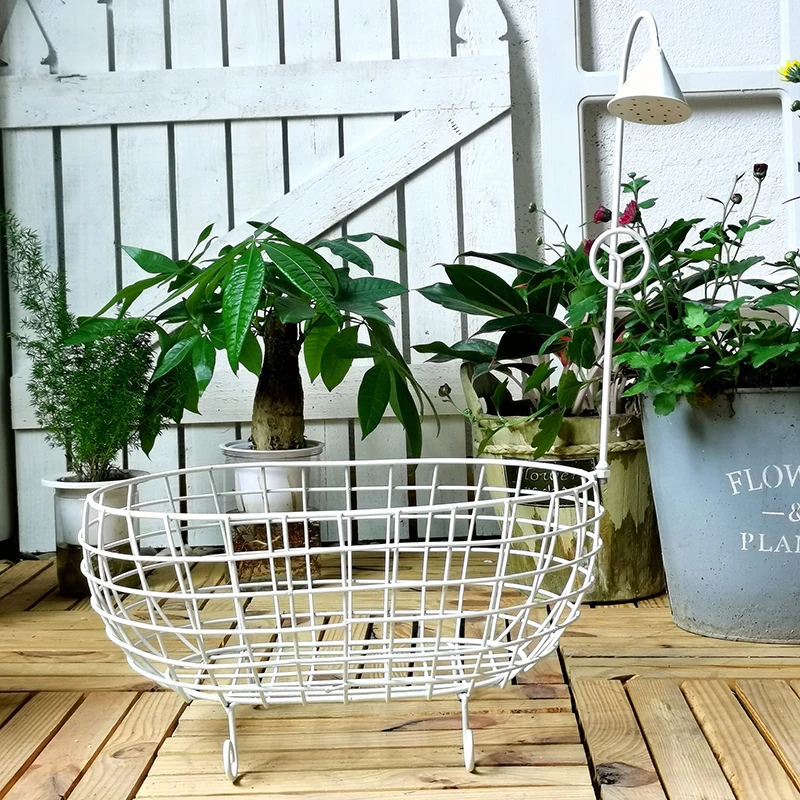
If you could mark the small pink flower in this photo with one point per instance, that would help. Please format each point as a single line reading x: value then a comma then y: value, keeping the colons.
x: 602, y: 214
x: 630, y: 214
x: 587, y: 246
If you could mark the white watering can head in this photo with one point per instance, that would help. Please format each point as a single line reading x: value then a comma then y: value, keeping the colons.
x: 650, y: 94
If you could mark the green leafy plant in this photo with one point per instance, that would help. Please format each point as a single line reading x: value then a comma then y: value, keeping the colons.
x: 700, y: 324
x: 544, y: 360
x: 91, y: 398
x: 264, y: 302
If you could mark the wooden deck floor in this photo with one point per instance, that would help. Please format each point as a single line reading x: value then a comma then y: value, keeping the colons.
x: 631, y: 709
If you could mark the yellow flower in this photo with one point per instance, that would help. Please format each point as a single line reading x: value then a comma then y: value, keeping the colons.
x: 790, y: 71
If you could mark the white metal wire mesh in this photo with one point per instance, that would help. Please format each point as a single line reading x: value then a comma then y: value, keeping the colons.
x: 460, y: 605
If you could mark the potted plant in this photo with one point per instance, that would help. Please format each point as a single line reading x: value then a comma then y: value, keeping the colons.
x: 533, y: 393
x: 265, y: 302
x: 93, y: 399
x: 715, y: 352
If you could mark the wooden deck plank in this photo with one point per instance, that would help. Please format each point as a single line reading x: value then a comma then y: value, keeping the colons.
x: 10, y: 702
x: 775, y: 709
x: 623, y: 768
x: 358, y: 780
x: 20, y: 574
x: 26, y: 734
x: 78, y: 683
x: 122, y: 764
x: 59, y: 765
x: 421, y: 758
x: 54, y: 602
x: 749, y: 765
x: 685, y: 762
x: 506, y: 793
x: 30, y: 592
x: 727, y: 669
x: 659, y: 601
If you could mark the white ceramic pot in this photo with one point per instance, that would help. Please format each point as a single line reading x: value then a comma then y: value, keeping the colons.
x: 267, y: 477
x: 69, y: 498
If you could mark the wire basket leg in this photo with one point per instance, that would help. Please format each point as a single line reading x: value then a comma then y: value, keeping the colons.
x: 230, y: 754
x: 466, y: 734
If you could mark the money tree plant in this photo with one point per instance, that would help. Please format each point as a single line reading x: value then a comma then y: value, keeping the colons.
x: 265, y: 303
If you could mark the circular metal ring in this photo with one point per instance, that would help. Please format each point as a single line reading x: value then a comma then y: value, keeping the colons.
x: 613, y: 281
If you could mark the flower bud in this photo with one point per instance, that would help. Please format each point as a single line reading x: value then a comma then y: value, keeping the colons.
x: 795, y: 106
x: 736, y: 198
x: 630, y: 214
x: 531, y: 207
x: 539, y: 241
x: 760, y: 171
x: 602, y: 214
x: 631, y: 175
x: 445, y: 390
x: 790, y: 256
x: 587, y: 246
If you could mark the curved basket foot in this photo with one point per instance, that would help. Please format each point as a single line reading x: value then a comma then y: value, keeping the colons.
x: 230, y: 760
x: 469, y: 751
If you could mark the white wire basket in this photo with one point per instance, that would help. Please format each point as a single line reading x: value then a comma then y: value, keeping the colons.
x: 427, y: 585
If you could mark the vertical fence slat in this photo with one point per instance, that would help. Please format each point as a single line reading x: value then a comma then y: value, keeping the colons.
x: 424, y: 31
x: 144, y: 184
x: 201, y: 192
x: 365, y: 31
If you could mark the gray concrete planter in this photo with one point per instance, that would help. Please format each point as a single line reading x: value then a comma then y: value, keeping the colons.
x: 726, y: 481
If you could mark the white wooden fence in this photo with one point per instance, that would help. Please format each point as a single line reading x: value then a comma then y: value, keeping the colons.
x: 139, y: 122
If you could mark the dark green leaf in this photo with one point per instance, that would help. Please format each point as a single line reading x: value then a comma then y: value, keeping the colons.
x: 91, y: 329
x: 175, y: 355
x: 151, y: 261
x: 349, y: 252
x: 406, y: 411
x: 204, y: 357
x: 240, y: 300
x: 568, y: 388
x: 542, y: 372
x: 305, y: 272
x: 373, y: 397
x: 540, y: 324
x: 549, y: 426
x: 369, y: 290
x: 321, y: 331
x: 338, y: 357
x: 476, y: 351
x: 250, y: 357
x: 293, y: 309
x: 519, y: 262
x: 480, y: 285
x: 365, y: 237
x: 664, y: 403
x: 581, y: 348
x: 445, y: 295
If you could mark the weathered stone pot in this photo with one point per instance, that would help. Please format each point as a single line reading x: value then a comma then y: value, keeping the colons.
x: 629, y: 564
x: 726, y: 481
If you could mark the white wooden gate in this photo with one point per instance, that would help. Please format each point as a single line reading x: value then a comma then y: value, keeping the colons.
x: 140, y: 122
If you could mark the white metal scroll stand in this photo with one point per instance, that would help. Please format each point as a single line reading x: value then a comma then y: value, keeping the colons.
x: 651, y: 96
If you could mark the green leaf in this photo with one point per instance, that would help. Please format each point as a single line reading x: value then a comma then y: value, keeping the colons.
x: 549, y: 426
x: 751, y: 227
x: 251, y: 357
x: 366, y: 310
x: 204, y: 357
x: 664, y: 403
x: 365, y: 237
x: 499, y: 393
x: 784, y: 297
x: 175, y: 355
x: 540, y: 324
x: 90, y: 329
x: 476, y: 351
x: 577, y: 311
x: 519, y: 262
x: 373, y: 397
x: 150, y: 261
x: 305, y: 272
x: 480, y: 285
x: 337, y: 357
x: 129, y: 294
x: 349, y: 252
x: 647, y: 203
x: 205, y: 233
x: 538, y: 377
x: 695, y: 316
x: 239, y: 301
x: 293, y: 309
x: 581, y: 348
x: 369, y: 290
x: 568, y: 388
x: 447, y: 296
x: 319, y: 333
x: 765, y: 354
x: 678, y: 350
x: 406, y: 411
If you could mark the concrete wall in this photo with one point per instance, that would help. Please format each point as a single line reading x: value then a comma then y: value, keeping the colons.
x: 686, y: 163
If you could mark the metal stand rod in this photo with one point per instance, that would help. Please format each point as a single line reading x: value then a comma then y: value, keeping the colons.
x: 230, y: 754
x: 466, y: 734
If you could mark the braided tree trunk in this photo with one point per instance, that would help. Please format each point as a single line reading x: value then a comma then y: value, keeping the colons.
x: 278, y: 422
